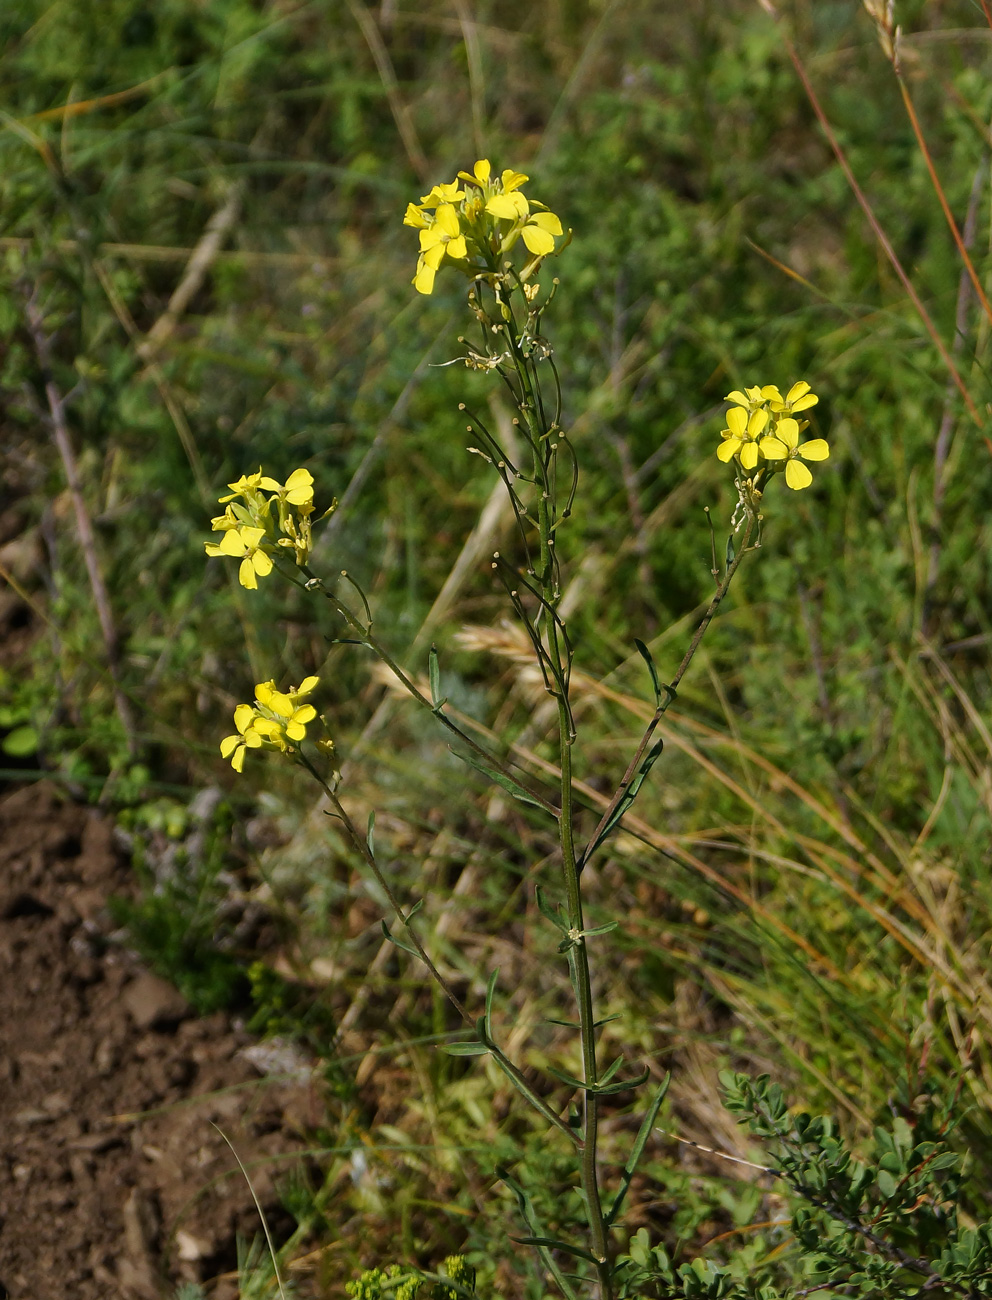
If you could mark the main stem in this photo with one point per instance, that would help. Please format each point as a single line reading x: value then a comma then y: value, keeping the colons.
x: 578, y: 955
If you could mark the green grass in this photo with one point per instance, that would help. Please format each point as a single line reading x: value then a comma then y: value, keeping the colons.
x: 853, y: 656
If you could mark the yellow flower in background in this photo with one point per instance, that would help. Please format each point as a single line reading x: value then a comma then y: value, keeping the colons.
x: 277, y: 721
x: 741, y: 435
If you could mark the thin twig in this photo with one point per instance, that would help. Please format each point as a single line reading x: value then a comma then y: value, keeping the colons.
x: 867, y: 209
x: 84, y: 526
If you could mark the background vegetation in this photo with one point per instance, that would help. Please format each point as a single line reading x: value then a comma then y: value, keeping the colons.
x: 200, y: 215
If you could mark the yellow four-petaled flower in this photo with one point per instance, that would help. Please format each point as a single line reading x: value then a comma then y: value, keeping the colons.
x: 762, y: 433
x: 277, y: 720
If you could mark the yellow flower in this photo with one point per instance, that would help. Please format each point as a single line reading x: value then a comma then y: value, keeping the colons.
x: 466, y: 224
x: 787, y: 447
x: 762, y: 434
x: 741, y: 436
x: 298, y: 488
x: 443, y: 237
x: 798, y: 398
x: 234, y: 747
x: 244, y: 544
x: 276, y: 721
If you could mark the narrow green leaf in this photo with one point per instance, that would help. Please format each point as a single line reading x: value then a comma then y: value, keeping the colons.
x: 508, y: 784
x: 629, y: 795
x: 625, y: 1085
x: 570, y: 1079
x: 555, y: 1243
x: 600, y: 929
x: 434, y: 673
x: 565, y: 1024
x: 637, y: 1150
x: 606, y: 1021
x: 611, y: 1070
x: 398, y: 942
x: 413, y: 911
x: 490, y: 993
x: 473, y: 1048
x: 648, y: 658
x: 548, y: 912
x: 530, y: 1218
x: 370, y: 834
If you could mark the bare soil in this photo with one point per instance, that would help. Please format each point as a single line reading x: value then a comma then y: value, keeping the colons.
x: 113, y: 1179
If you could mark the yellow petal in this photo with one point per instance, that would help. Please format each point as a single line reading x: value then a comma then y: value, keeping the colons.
x: 299, y: 478
x: 305, y: 714
x: 280, y: 704
x: 246, y: 575
x: 773, y: 449
x: 797, y: 391
x: 306, y: 686
x: 749, y: 455
x: 270, y: 484
x: 414, y: 217
x: 264, y: 692
x: 295, y: 730
x: 231, y: 543
x: 539, y: 242
x: 512, y: 180
x: 787, y: 431
x: 262, y: 563
x: 726, y: 450
x: 816, y: 449
x: 482, y: 170
x: 433, y: 257
x: 738, y: 397
x: 229, y: 743
x: 754, y: 394
x: 509, y: 207
x: 212, y: 548
x: 456, y: 247
x: 430, y: 237
x: 238, y: 759
x: 804, y: 403
x: 757, y: 422
x: 252, y: 739
x: 251, y: 536
x: 770, y: 393
x: 547, y: 221
x: 797, y: 475
x: 423, y: 281
x: 447, y: 219
x: 243, y: 715
x: 737, y: 421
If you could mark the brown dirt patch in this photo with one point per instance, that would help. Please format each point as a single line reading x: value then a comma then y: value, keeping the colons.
x: 113, y: 1181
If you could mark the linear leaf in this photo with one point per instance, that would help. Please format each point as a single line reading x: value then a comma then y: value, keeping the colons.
x: 508, y: 784
x: 555, y: 1243
x: 473, y: 1048
x: 398, y: 942
x: 648, y: 658
x: 637, y: 1150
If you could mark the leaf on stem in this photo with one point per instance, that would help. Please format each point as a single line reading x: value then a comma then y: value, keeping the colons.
x: 398, y: 942
x: 555, y: 1243
x: 490, y: 993
x: 434, y: 675
x: 506, y: 782
x: 370, y: 834
x: 629, y: 795
x: 648, y: 658
x: 637, y: 1150
x: 548, y: 912
x: 471, y: 1047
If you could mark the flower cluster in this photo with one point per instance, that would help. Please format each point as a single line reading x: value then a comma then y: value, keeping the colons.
x: 277, y: 720
x: 762, y: 433
x: 256, y: 524
x: 475, y: 224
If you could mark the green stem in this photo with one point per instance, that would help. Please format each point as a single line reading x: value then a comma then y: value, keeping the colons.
x: 544, y: 470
